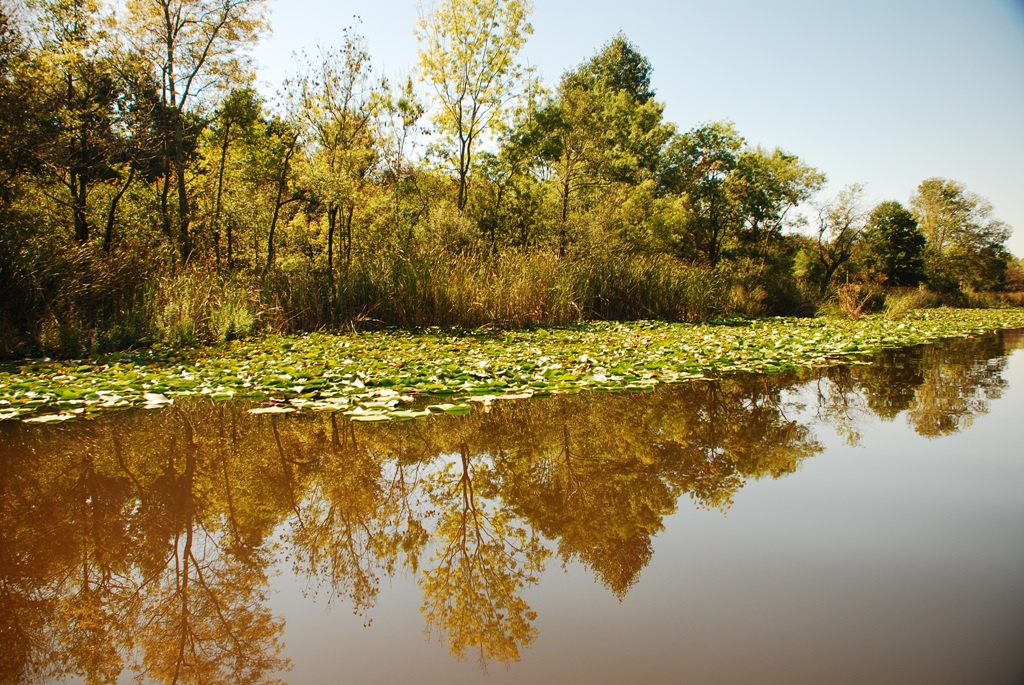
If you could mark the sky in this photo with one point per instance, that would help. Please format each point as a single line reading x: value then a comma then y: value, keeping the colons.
x: 885, y: 93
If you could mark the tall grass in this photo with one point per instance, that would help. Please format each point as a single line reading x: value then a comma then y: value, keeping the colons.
x: 98, y: 304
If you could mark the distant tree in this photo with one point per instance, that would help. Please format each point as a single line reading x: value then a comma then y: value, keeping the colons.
x: 1015, y: 275
x: 965, y: 243
x: 893, y: 245
x: 468, y: 54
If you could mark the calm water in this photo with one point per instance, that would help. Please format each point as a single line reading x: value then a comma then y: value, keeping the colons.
x: 859, y: 524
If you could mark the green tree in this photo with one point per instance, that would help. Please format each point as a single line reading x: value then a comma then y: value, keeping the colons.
x: 735, y: 199
x: 22, y: 123
x: 467, y: 53
x: 76, y: 71
x: 238, y: 111
x: 965, y: 243
x: 601, y: 130
x: 894, y: 247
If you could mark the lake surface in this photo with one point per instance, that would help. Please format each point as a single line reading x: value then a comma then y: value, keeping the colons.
x: 855, y: 524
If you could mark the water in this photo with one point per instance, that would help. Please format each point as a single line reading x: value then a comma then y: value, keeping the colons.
x: 845, y: 525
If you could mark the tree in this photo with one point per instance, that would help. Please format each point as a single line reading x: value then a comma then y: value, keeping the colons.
x: 22, y: 123
x: 735, y: 198
x: 336, y: 102
x: 894, y: 247
x: 617, y: 66
x: 240, y: 109
x: 603, y: 128
x: 467, y: 53
x: 190, y: 46
x: 78, y: 75
x: 965, y: 243
x: 841, y: 223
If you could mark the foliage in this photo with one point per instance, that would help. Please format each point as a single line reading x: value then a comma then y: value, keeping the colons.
x: 467, y: 54
x: 734, y: 201
x: 150, y: 194
x: 894, y: 247
x: 965, y: 243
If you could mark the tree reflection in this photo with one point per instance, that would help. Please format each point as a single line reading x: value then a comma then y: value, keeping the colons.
x: 354, y: 521
x: 121, y: 554
x: 204, y: 619
x: 148, y: 539
x: 482, y: 562
x: 940, y: 388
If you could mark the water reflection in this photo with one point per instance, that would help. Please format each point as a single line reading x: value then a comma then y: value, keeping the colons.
x: 146, y: 541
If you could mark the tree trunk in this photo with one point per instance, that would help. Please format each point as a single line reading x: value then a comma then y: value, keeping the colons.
x: 108, y: 235
x: 184, y: 237
x: 220, y: 190
x: 282, y: 182
x: 79, y: 190
x: 562, y: 237
x: 332, y: 222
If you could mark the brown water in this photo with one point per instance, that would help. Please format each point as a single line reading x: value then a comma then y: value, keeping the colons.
x: 859, y: 524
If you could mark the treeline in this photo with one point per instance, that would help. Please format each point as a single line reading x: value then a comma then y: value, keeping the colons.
x: 148, y: 192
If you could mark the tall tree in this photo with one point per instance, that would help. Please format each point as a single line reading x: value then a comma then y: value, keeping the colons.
x: 966, y: 244
x: 336, y: 101
x: 239, y: 110
x: 468, y: 54
x: 601, y: 128
x: 75, y: 69
x: 894, y: 247
x: 191, y: 46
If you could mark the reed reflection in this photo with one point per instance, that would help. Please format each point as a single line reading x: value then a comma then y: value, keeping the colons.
x: 145, y: 541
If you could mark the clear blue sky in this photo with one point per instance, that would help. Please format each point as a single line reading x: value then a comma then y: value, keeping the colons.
x: 880, y: 92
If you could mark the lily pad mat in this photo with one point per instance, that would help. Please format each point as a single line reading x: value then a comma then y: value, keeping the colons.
x: 384, y: 375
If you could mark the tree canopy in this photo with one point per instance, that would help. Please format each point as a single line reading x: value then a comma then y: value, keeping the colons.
x: 149, y: 191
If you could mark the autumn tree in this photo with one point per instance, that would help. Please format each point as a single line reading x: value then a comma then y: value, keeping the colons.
x: 191, y: 47
x: 468, y: 54
x: 335, y: 101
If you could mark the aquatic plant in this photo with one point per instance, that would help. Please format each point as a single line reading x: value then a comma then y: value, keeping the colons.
x: 377, y: 376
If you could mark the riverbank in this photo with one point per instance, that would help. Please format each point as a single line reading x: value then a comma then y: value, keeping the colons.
x: 389, y: 375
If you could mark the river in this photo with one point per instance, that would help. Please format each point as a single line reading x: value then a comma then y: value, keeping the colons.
x: 850, y: 524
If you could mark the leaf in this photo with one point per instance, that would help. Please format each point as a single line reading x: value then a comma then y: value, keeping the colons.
x: 276, y: 409
x: 49, y: 418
